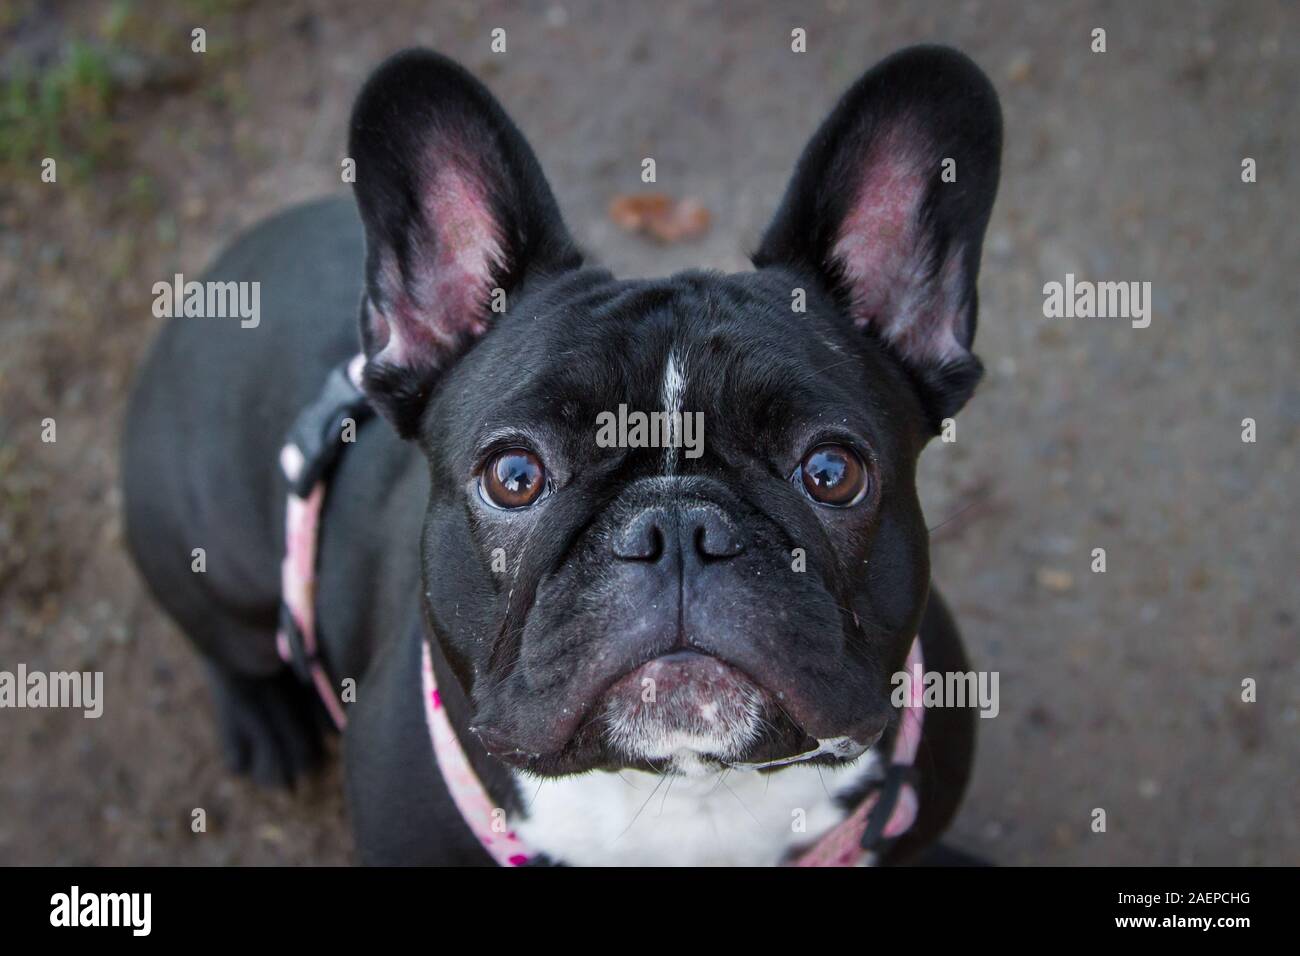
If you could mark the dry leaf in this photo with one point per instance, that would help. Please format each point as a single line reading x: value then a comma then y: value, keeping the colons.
x: 660, y: 216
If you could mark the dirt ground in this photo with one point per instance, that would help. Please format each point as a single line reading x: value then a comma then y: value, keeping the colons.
x: 1119, y: 691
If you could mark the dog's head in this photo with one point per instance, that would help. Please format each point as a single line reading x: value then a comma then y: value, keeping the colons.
x: 743, y: 595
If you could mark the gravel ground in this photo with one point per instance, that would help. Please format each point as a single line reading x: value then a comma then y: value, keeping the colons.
x: 1119, y: 691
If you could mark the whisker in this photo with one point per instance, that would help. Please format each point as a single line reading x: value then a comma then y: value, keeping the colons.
x: 979, y: 499
x: 636, y: 815
x: 742, y: 805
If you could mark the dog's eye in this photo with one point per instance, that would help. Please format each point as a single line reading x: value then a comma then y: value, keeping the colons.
x: 833, y: 475
x: 513, y: 478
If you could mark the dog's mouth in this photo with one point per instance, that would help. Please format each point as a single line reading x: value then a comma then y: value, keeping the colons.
x: 681, y: 706
x: 688, y: 712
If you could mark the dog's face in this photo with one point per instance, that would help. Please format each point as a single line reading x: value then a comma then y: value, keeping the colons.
x: 741, y: 596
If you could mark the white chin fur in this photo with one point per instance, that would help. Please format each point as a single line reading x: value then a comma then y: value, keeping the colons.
x: 679, y: 741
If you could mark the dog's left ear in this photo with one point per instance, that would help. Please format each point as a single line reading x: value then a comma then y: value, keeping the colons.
x: 888, y: 207
x: 455, y: 207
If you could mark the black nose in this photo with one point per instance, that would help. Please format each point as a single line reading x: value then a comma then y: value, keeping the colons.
x: 695, y: 530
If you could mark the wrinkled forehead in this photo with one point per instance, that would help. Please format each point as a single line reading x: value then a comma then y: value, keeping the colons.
x: 733, y: 348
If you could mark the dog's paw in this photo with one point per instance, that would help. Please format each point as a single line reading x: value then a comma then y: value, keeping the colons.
x: 269, y: 727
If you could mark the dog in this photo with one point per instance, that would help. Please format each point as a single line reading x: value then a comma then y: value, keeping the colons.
x: 598, y: 623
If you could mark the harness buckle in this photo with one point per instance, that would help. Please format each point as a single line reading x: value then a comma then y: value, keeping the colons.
x: 317, y: 431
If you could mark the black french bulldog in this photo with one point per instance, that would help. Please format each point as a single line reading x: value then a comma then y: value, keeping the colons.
x: 622, y: 563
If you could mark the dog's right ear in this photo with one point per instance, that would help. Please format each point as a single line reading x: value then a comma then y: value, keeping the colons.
x: 455, y: 207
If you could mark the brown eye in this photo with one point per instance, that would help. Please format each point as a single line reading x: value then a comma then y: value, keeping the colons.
x: 513, y: 478
x: 833, y: 475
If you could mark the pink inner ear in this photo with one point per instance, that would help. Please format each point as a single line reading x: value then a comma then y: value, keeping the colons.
x: 445, y: 297
x: 885, y: 256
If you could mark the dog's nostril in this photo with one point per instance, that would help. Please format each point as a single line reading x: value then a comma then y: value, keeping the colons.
x: 640, y: 540
x: 716, y: 537
x: 656, y: 544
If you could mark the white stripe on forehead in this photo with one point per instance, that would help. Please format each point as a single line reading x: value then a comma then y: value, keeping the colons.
x: 674, y: 388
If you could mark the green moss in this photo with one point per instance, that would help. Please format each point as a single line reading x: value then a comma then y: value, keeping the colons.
x: 63, y: 111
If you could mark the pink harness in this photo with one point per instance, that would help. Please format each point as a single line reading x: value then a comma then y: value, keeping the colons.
x: 886, y: 813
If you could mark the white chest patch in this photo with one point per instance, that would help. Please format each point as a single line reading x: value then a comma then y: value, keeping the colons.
x: 633, y: 818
